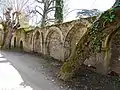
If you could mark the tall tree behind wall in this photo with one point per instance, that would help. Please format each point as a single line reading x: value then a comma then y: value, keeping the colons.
x: 10, y: 18
x: 45, y: 10
x: 59, y: 11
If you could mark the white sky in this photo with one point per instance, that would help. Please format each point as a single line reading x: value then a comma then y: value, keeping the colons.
x: 102, y: 5
x: 89, y: 4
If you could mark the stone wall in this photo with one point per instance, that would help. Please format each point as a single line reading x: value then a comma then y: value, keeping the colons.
x: 76, y: 43
x: 1, y: 36
x: 58, y: 41
x: 99, y: 47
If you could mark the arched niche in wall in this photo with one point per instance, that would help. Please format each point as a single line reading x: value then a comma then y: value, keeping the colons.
x: 1, y: 36
x: 72, y: 38
x: 42, y: 41
x: 114, y: 51
x: 37, y: 42
x: 15, y: 42
x: 21, y: 44
x: 31, y: 41
x: 54, y: 43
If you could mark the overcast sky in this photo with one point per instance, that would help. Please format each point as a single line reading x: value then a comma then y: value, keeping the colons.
x: 102, y: 5
x: 89, y: 4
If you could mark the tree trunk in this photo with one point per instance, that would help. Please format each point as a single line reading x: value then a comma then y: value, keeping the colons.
x: 7, y: 40
x: 44, y: 17
x: 43, y: 23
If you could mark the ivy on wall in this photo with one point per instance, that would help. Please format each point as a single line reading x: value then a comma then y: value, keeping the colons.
x: 59, y: 11
x: 97, y: 29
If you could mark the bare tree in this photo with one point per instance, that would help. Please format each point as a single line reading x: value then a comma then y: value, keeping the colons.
x: 10, y: 19
x: 44, y: 9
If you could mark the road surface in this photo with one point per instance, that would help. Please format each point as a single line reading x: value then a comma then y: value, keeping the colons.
x: 23, y: 71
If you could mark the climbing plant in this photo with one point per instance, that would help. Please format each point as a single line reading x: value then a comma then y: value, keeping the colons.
x: 97, y: 29
x: 59, y: 11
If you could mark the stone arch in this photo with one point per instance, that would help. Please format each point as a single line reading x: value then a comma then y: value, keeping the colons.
x: 15, y: 42
x: 1, y: 36
x: 21, y: 44
x: 37, y: 42
x: 54, y: 43
x: 112, y: 44
x: 31, y: 41
x: 42, y: 41
x: 72, y: 38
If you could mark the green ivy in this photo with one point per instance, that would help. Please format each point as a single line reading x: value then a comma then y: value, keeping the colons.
x: 97, y: 30
x: 108, y: 16
x: 59, y: 11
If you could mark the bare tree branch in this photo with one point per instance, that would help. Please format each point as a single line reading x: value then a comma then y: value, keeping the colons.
x: 23, y: 5
x: 48, y: 7
x: 39, y: 13
x: 38, y: 7
x: 42, y: 1
x: 50, y: 2
x: 51, y: 9
x: 12, y: 13
x: 51, y: 20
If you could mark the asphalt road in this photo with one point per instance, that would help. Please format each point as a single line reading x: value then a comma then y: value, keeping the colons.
x: 23, y: 71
